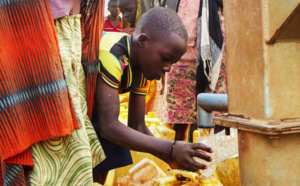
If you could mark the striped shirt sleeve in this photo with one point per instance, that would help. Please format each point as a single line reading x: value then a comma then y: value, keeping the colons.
x: 141, y: 90
x: 110, y: 69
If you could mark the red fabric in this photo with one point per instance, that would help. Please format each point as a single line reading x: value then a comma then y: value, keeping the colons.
x: 92, y: 12
x: 24, y: 158
x: 109, y: 27
x: 34, y: 100
x: 1, y: 173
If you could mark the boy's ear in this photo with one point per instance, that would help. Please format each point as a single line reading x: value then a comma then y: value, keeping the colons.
x: 142, y: 40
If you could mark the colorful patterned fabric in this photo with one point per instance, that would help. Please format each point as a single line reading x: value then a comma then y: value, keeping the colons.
x: 34, y: 101
x: 180, y: 88
x: 92, y: 16
x: 188, y: 12
x: 69, y: 160
x: 115, y: 66
x: 109, y: 27
x: 180, y: 95
x: 12, y: 175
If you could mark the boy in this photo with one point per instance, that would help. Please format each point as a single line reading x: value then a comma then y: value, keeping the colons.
x: 113, y: 22
x: 126, y: 63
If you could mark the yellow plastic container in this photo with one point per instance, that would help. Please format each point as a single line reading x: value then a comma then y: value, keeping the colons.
x: 151, y: 119
x: 136, y: 157
x: 158, y: 130
x: 151, y: 115
x: 193, y: 179
x: 210, y: 182
x: 196, y: 134
x: 228, y: 172
x: 144, y: 172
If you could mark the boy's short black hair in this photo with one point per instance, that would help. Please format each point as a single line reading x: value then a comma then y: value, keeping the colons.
x: 160, y: 22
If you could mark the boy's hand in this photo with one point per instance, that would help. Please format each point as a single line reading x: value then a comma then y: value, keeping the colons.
x: 183, y: 153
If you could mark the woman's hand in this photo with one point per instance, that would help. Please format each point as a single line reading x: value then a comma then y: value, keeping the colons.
x: 183, y: 153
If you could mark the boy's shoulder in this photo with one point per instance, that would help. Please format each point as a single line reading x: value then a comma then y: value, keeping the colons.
x: 112, y: 46
x: 109, y: 39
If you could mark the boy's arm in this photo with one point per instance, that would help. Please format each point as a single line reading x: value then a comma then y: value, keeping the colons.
x: 107, y: 100
x: 108, y: 106
x: 136, y: 114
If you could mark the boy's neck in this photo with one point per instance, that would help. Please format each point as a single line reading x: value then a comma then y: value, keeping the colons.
x: 133, y: 52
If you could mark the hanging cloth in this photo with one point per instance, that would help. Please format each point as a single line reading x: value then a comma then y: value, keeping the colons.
x: 148, y: 4
x: 210, y: 46
x: 92, y: 16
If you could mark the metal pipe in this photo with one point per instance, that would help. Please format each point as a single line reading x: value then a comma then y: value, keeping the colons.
x: 213, y: 102
x: 207, y: 103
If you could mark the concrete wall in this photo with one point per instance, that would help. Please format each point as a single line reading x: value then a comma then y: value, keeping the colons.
x: 262, y: 163
x: 263, y: 79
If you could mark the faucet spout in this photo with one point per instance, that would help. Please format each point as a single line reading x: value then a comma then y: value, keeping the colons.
x: 207, y: 104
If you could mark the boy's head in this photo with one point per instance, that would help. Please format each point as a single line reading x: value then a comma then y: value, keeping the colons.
x: 128, y: 9
x: 161, y: 40
x: 113, y: 8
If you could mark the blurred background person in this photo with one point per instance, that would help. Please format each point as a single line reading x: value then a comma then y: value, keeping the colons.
x: 131, y: 13
x: 113, y: 22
